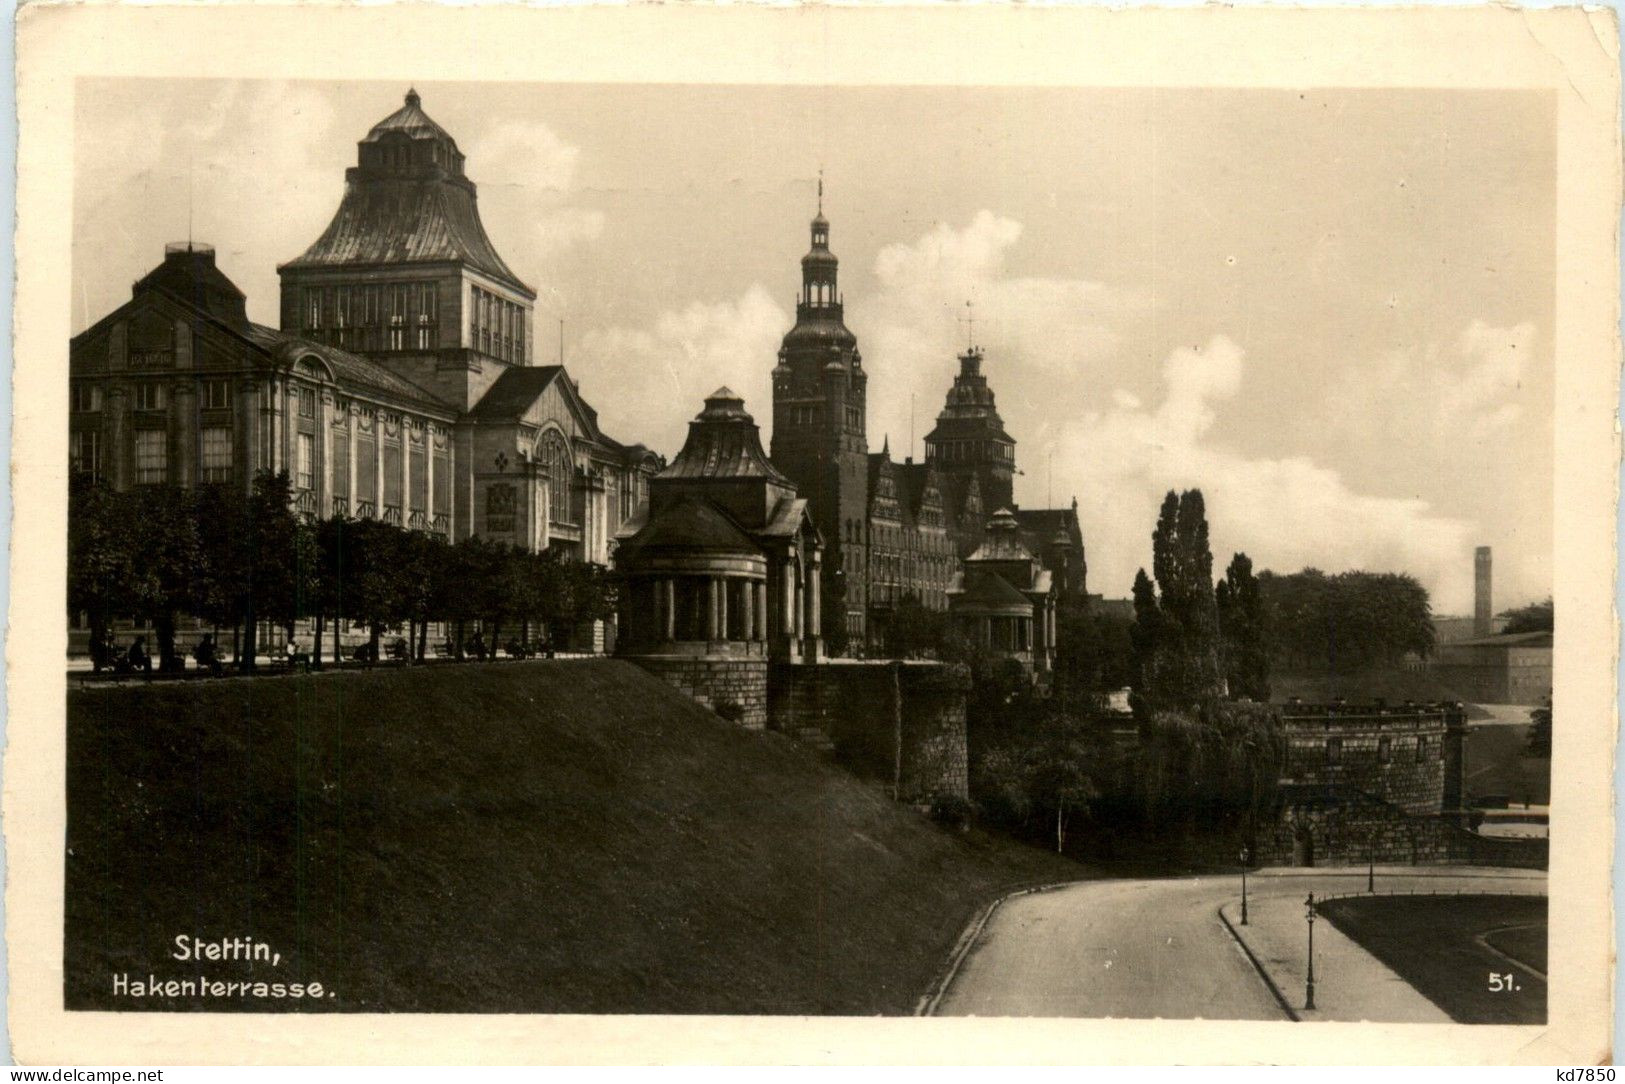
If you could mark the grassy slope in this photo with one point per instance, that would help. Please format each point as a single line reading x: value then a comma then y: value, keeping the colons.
x: 566, y: 836
x: 1430, y: 942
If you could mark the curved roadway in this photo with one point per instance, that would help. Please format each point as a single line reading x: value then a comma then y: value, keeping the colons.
x: 1145, y: 948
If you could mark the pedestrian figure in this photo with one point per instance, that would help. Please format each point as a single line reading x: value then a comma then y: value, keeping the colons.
x: 207, y: 657
x: 138, y: 657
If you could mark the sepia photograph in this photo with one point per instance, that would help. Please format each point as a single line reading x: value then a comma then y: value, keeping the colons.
x: 815, y: 548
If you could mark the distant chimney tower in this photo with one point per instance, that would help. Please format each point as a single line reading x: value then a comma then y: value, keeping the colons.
x: 1483, y: 609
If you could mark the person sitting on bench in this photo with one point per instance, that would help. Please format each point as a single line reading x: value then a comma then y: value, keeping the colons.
x: 206, y: 656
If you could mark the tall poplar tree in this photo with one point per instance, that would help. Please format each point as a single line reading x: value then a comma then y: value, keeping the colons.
x: 1242, y: 631
x: 1176, y: 632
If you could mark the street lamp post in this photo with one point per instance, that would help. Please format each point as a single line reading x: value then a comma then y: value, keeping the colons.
x: 1244, y: 857
x: 1309, y: 913
x: 1371, y: 861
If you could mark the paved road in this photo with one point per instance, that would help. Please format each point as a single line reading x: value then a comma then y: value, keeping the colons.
x: 1136, y: 949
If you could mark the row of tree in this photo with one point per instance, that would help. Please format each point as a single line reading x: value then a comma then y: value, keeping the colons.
x: 1346, y: 621
x: 236, y: 560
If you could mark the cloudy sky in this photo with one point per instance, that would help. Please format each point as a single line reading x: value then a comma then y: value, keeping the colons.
x: 1330, y: 310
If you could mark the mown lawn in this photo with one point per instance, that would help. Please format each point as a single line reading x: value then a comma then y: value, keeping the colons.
x: 1432, y: 942
x: 559, y: 836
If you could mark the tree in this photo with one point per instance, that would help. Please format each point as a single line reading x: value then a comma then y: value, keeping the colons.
x: 1175, y: 637
x: 332, y: 538
x: 1214, y: 770
x: 1242, y: 631
x: 1345, y: 622
x: 276, y: 556
x: 374, y: 573
x: 220, y: 588
x: 100, y: 553
x: 1536, y: 617
x: 913, y: 631
x: 1539, y: 743
x: 1040, y: 779
x: 1094, y: 654
x: 163, y: 533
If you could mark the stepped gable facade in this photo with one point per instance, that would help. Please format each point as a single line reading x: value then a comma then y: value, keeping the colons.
x: 894, y: 529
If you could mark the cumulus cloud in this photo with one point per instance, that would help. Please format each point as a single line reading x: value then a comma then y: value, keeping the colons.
x: 648, y: 382
x: 261, y: 165
x: 257, y: 191
x: 526, y: 174
x: 1286, y: 513
x: 1037, y: 329
x: 1445, y: 399
x: 1477, y: 387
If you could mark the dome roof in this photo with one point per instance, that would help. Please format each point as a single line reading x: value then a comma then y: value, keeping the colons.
x: 820, y: 328
x: 411, y: 120
x: 723, y: 442
x: 695, y: 527
x: 1002, y: 541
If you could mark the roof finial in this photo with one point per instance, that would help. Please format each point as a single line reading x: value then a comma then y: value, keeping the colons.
x: 969, y: 320
x: 820, y: 190
x: 412, y: 98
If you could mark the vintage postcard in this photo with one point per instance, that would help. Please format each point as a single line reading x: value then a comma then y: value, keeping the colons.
x: 813, y: 534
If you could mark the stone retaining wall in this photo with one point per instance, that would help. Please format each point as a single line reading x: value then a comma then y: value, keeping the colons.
x: 716, y: 682
x: 900, y: 724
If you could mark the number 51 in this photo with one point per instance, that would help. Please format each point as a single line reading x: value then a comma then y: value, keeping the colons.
x: 1502, y: 984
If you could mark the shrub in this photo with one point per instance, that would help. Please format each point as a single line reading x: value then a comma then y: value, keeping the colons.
x: 951, y: 810
x: 731, y: 710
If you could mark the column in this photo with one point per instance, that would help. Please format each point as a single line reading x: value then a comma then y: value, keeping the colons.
x: 116, y: 456
x: 324, y: 453
x: 406, y: 471
x: 747, y: 610
x: 668, y: 596
x: 759, y: 591
x: 787, y: 579
x: 712, y: 606
x: 428, y: 475
x: 815, y: 603
x: 800, y: 622
x: 355, y: 437
x: 377, y: 494
x: 184, y: 435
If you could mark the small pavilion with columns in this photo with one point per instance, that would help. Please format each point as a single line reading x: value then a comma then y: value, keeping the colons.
x: 722, y: 563
x: 1003, y: 600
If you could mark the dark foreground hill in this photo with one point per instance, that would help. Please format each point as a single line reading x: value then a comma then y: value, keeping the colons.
x: 525, y: 837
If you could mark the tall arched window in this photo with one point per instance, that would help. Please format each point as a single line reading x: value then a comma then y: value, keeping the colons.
x: 554, y: 454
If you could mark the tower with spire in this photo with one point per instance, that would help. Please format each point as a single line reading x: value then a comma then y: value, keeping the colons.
x: 819, y: 436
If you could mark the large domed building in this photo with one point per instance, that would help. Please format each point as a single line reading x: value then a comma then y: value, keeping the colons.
x: 402, y: 384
